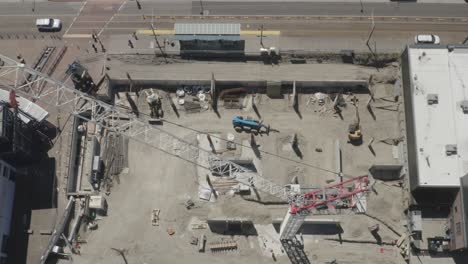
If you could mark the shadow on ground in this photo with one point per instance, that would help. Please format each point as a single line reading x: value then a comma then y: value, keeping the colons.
x: 35, y: 190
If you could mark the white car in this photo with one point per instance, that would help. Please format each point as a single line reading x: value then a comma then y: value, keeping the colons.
x: 427, y: 39
x: 49, y: 24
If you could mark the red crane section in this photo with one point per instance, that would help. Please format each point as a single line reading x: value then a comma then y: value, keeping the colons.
x: 332, y: 196
x: 13, y: 101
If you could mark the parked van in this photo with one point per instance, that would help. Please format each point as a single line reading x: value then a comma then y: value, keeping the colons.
x: 49, y: 24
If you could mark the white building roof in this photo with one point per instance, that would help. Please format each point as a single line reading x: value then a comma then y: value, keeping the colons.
x: 33, y: 110
x: 444, y: 74
x: 206, y: 29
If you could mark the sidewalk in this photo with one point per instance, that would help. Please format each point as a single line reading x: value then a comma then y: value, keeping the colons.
x: 118, y: 44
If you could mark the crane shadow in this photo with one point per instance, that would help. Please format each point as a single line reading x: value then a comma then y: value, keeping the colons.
x: 254, y: 107
x: 298, y: 112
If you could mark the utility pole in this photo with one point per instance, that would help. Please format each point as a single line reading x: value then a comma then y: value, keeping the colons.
x: 466, y: 40
x: 202, y: 11
x: 152, y: 17
x: 122, y: 253
x: 362, y: 6
x: 370, y: 35
x: 34, y: 6
x: 157, y: 43
x: 261, y: 36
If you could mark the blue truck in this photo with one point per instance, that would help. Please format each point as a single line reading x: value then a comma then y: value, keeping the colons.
x: 248, y: 124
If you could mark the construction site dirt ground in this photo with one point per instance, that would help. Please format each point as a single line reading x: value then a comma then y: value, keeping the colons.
x: 156, y: 180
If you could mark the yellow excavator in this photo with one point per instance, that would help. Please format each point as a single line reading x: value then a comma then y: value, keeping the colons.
x: 354, y: 130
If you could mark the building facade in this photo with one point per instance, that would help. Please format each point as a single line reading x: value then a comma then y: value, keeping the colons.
x: 7, y: 193
x: 457, y: 221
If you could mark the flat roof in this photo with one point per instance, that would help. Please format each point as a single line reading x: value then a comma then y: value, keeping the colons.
x: 440, y: 74
x: 206, y: 29
x: 33, y: 110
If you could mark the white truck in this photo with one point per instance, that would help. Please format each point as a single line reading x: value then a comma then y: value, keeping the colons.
x: 49, y: 24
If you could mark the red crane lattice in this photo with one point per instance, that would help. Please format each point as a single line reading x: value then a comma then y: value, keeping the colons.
x: 331, y: 194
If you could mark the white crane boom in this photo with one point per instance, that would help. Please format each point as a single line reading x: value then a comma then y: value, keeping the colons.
x: 13, y: 76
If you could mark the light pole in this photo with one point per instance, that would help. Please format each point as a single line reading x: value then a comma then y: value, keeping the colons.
x: 34, y: 6
x: 362, y: 6
x: 201, y: 8
x: 261, y: 36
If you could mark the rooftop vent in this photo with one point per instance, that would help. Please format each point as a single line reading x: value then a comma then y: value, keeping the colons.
x: 432, y: 99
x: 464, y: 106
x: 450, y: 149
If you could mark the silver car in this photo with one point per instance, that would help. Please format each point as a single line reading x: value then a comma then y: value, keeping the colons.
x: 48, y: 24
x: 427, y: 39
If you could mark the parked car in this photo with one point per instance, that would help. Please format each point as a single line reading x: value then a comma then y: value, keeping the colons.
x: 49, y: 24
x: 427, y: 39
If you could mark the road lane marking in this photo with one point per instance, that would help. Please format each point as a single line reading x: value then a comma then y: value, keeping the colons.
x: 74, y: 19
x: 77, y: 36
x: 157, y: 32
x: 257, y: 17
x: 120, y: 8
x: 393, y: 20
x: 45, y: 15
x: 258, y: 32
x: 112, y: 17
x: 172, y: 32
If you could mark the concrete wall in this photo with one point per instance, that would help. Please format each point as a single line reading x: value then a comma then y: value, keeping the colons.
x: 72, y: 163
x: 232, y: 227
x: 312, y: 226
x: 386, y: 172
x: 410, y: 130
x: 355, y: 86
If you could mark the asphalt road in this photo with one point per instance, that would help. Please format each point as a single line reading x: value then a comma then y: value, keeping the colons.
x: 339, y: 9
x: 248, y: 8
x: 40, y: 8
x: 395, y: 25
x: 300, y: 8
